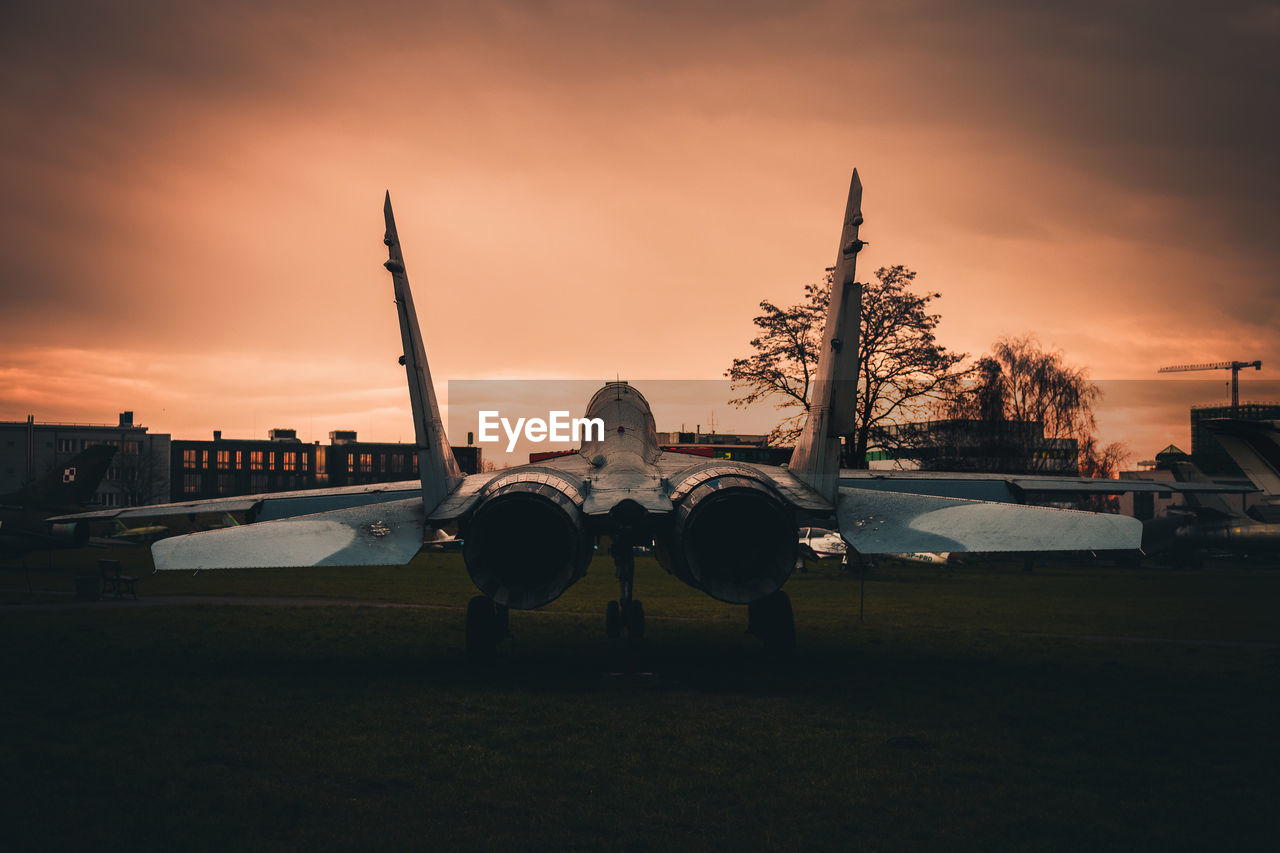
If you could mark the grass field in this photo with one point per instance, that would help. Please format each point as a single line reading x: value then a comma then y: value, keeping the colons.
x: 975, y: 707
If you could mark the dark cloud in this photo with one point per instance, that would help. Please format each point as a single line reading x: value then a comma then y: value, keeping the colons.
x: 153, y: 150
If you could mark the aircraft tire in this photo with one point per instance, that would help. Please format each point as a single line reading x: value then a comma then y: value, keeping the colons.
x: 612, y: 621
x: 784, y: 629
x: 772, y: 620
x: 482, y: 628
x: 635, y: 620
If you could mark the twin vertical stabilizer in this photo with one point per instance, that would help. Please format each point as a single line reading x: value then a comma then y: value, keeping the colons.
x: 816, y: 459
x: 436, y: 465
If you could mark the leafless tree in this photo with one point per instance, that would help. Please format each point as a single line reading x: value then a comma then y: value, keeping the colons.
x: 785, y: 359
x: 1020, y: 382
x: 902, y: 369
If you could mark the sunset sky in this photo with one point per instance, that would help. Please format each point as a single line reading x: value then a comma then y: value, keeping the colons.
x: 191, y: 193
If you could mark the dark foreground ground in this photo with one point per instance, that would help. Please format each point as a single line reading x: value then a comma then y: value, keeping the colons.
x: 1076, y: 707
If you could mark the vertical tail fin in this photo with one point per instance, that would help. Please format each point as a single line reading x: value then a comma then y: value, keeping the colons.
x: 436, y: 465
x: 1255, y: 447
x: 816, y: 459
x: 69, y: 485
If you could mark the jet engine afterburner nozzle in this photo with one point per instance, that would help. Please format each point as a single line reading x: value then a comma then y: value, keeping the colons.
x: 731, y: 536
x: 69, y: 531
x: 527, y: 542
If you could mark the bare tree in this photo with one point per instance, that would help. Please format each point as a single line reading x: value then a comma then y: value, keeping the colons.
x: 902, y: 370
x: 142, y: 476
x: 785, y: 360
x: 1021, y: 384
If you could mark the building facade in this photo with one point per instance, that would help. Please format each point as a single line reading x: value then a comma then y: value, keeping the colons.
x: 224, y: 467
x: 1002, y: 447
x: 139, y: 472
x: 229, y: 466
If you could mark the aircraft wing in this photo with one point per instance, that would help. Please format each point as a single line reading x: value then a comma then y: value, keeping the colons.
x: 881, y: 522
x: 1013, y: 488
x: 388, y: 533
x: 266, y: 506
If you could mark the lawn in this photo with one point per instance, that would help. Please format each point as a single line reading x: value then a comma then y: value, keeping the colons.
x: 975, y: 707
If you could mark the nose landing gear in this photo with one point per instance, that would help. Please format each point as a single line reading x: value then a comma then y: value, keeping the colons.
x: 626, y: 615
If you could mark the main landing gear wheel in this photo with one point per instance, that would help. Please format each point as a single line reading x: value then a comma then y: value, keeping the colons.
x: 772, y: 621
x: 487, y: 625
x: 613, y: 621
x: 635, y: 620
x: 625, y: 616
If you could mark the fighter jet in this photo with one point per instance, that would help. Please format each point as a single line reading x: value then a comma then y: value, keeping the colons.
x: 25, y: 514
x: 1209, y: 522
x: 726, y: 528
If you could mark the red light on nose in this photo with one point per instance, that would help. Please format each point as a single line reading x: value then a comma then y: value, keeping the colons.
x: 622, y: 429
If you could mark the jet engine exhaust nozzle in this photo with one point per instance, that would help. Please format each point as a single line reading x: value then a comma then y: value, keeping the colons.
x: 526, y: 542
x: 733, y: 538
x: 69, y: 531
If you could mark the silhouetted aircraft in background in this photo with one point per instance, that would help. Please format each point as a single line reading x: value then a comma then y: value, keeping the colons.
x: 726, y: 528
x: 1207, y: 521
x: 140, y: 534
x: 25, y: 523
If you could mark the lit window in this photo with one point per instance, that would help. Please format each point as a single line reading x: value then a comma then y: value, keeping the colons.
x: 366, y: 462
x: 190, y: 483
x: 290, y: 460
x: 255, y: 460
x: 224, y: 459
x: 190, y: 459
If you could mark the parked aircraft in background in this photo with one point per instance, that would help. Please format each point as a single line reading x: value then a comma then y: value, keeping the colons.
x: 726, y: 528
x: 1207, y: 520
x: 24, y: 514
x: 818, y: 543
x: 142, y: 534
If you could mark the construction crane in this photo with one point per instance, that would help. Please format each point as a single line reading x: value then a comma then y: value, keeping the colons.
x: 1234, y: 366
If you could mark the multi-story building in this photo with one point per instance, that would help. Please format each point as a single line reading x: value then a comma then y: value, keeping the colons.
x: 282, y: 463
x: 723, y: 445
x: 230, y: 466
x: 139, y: 472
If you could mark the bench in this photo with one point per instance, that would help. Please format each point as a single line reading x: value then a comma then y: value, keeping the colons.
x: 114, y: 583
